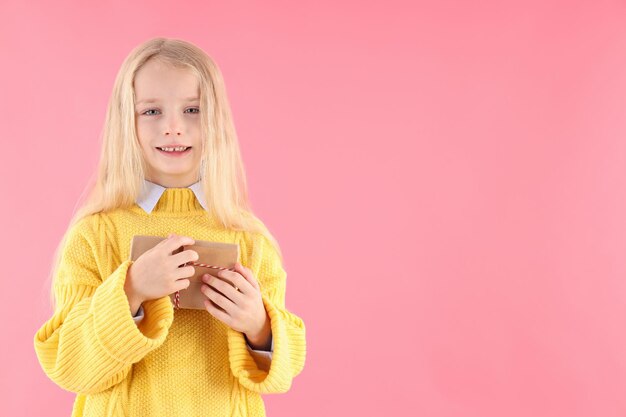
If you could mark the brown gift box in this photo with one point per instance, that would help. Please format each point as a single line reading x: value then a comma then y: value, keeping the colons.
x: 217, y: 254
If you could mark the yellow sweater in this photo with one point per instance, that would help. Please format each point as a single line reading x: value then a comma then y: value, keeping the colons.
x: 173, y: 362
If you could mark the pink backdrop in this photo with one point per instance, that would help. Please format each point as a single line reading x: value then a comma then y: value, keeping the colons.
x: 458, y: 170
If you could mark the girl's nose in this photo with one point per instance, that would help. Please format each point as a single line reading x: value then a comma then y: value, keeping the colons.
x: 173, y: 125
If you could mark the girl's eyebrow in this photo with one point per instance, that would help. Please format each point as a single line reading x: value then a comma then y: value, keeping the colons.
x: 154, y: 100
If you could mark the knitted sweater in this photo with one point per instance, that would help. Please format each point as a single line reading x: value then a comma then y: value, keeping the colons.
x: 147, y: 199
x: 173, y: 362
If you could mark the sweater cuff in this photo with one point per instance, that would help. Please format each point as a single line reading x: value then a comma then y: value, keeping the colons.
x: 115, y: 328
x: 242, y: 364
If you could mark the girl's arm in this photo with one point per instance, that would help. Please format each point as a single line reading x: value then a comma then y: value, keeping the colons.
x: 91, y: 341
x: 288, y: 331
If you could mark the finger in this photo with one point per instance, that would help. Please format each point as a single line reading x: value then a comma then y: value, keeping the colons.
x: 237, y: 280
x: 247, y: 274
x: 184, y: 272
x: 225, y: 288
x: 188, y: 255
x: 169, y: 237
x: 181, y: 284
x: 218, y: 298
x: 217, y: 313
x: 163, y: 242
x: 175, y: 241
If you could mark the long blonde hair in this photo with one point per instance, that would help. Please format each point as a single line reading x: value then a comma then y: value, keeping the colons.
x: 121, y: 169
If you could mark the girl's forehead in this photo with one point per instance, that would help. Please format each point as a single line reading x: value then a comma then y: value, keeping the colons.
x: 165, y: 82
x: 162, y: 72
x: 156, y: 99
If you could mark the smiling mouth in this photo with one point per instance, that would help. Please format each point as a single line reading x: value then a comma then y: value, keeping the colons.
x: 162, y: 148
x: 173, y: 152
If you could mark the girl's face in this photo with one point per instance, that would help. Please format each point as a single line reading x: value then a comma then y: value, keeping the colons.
x: 167, y: 108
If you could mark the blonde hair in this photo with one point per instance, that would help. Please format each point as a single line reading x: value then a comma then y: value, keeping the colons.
x: 121, y: 169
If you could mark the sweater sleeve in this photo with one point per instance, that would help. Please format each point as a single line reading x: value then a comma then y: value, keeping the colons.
x: 91, y: 341
x: 288, y: 330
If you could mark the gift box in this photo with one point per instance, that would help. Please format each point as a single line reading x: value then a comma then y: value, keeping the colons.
x: 213, y: 257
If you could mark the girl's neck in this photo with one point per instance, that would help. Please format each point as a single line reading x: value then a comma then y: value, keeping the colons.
x: 168, y: 182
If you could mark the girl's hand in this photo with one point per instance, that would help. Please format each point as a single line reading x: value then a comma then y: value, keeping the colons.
x: 241, y: 309
x: 156, y: 272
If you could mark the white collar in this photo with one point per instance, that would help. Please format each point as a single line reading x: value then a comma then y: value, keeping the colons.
x: 152, y: 192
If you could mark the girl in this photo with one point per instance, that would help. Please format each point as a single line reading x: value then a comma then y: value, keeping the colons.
x: 170, y: 166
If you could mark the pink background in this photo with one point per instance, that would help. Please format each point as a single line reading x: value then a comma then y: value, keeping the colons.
x: 458, y: 170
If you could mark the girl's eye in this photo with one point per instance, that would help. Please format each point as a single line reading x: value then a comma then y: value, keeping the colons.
x: 147, y: 112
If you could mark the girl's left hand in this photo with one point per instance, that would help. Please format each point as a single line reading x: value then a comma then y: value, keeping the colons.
x: 241, y: 309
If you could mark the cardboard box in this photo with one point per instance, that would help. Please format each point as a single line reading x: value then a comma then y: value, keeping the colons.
x: 218, y: 254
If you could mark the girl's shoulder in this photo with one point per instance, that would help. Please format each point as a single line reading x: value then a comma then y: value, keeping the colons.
x: 88, y: 226
x: 82, y: 226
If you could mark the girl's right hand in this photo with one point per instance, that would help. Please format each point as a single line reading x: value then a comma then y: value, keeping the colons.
x: 156, y: 273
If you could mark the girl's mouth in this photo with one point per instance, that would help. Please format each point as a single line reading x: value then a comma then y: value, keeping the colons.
x: 174, y: 153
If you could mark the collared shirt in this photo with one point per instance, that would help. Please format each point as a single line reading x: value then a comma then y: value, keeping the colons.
x: 152, y: 192
x: 149, y: 197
